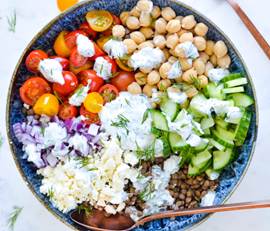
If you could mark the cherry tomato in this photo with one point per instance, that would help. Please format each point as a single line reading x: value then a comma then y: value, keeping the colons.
x: 96, y: 82
x: 77, y: 60
x: 77, y: 70
x: 122, y: 80
x: 65, y: 4
x: 33, y: 59
x: 93, y: 102
x: 123, y: 65
x: 47, y: 104
x: 116, y: 21
x: 108, y: 92
x: 91, y: 118
x: 98, y: 52
x: 71, y: 83
x: 60, y: 47
x: 99, y: 20
x: 32, y: 89
x: 102, y: 40
x: 111, y: 61
x: 88, y: 30
x: 71, y: 38
x: 67, y: 111
x: 63, y: 61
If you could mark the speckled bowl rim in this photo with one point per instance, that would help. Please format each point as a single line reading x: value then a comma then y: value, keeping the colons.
x: 63, y: 14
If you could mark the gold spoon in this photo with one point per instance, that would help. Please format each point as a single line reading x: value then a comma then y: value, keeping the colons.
x: 98, y: 221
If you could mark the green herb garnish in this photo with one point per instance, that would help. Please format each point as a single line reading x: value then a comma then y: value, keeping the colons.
x: 121, y: 123
x: 147, y: 153
x: 14, y: 216
x: 86, y: 209
x: 145, y: 115
x: 50, y: 193
x: 147, y: 193
x: 84, y: 162
x: 12, y: 21
x: 128, y: 103
x: 196, y: 82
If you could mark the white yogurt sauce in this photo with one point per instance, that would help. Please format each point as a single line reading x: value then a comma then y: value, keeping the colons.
x: 51, y: 69
x: 217, y: 74
x: 191, y: 51
x: 208, y: 199
x: 175, y: 71
x: 115, y: 48
x: 79, y: 95
x: 103, y: 68
x: 85, y: 46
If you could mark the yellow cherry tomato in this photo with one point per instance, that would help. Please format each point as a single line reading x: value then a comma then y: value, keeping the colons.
x: 99, y: 20
x: 47, y: 104
x: 65, y: 4
x: 60, y: 47
x: 77, y: 70
x: 102, y: 40
x: 93, y: 102
x: 123, y: 65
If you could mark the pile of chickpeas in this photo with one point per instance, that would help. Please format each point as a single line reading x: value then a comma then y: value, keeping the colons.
x: 150, y: 26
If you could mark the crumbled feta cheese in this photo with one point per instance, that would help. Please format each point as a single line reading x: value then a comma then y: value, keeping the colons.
x: 54, y: 134
x: 79, y: 143
x: 79, y: 95
x: 33, y: 155
x: 175, y: 71
x: 115, y: 48
x: 103, y: 68
x: 208, y: 199
x: 191, y: 51
x: 176, y: 95
x: 147, y: 58
x: 85, y: 46
x: 131, y: 158
x: 217, y: 74
x: 51, y: 69
x: 26, y: 106
x: 171, y: 165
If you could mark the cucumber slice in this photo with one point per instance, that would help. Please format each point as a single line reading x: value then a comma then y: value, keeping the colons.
x: 217, y: 145
x: 233, y: 90
x: 221, y: 123
x: 222, y: 139
x: 186, y: 155
x: 226, y: 134
x: 221, y: 159
x: 236, y: 82
x: 212, y: 174
x: 207, y: 132
x: 201, y: 158
x: 202, y: 146
x: 242, y: 128
x: 214, y: 91
x: 195, y: 171
x: 176, y: 142
x: 207, y: 122
x: 242, y: 100
x: 169, y: 108
x: 166, y: 146
x: 159, y: 120
x: 196, y: 106
x: 232, y: 76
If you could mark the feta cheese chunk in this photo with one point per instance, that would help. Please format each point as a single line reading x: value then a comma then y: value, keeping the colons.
x: 217, y: 74
x: 115, y: 48
x: 175, y: 71
x: 208, y: 199
x: 51, y: 69
x: 54, y: 134
x: 79, y: 95
x: 85, y: 46
x: 190, y: 50
x: 79, y: 143
x: 147, y: 58
x: 171, y: 165
x: 33, y: 155
x: 103, y: 68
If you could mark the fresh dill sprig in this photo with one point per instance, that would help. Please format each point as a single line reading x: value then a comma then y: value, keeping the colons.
x: 145, y: 115
x: 147, y: 153
x: 84, y: 162
x: 86, y: 209
x: 121, y: 123
x: 50, y: 193
x: 12, y: 21
x: 147, y: 193
x: 13, y: 216
x: 127, y: 101
x: 196, y: 82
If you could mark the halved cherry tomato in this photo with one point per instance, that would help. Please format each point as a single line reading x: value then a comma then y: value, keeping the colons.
x: 88, y: 30
x: 65, y: 4
x: 91, y: 118
x: 111, y: 61
x: 32, y: 89
x: 108, y: 92
x: 96, y: 82
x: 71, y: 83
x: 102, y: 40
x: 76, y: 59
x: 67, y: 111
x: 116, y: 21
x: 60, y: 47
x: 93, y: 102
x: 99, y: 20
x: 98, y: 52
x: 122, y: 80
x: 71, y: 38
x: 47, y: 104
x: 77, y: 70
x: 123, y: 65
x: 33, y: 59
x: 63, y: 61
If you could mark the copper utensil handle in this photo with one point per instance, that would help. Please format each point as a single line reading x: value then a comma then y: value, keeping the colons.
x: 208, y: 209
x: 251, y: 27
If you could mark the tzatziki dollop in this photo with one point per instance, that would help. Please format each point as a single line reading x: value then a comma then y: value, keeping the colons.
x: 85, y: 46
x: 51, y: 69
x: 115, y: 48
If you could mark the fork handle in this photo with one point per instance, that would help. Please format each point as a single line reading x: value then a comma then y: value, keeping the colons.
x: 251, y: 27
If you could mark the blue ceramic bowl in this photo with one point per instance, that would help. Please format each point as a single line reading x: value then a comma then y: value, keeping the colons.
x: 70, y: 20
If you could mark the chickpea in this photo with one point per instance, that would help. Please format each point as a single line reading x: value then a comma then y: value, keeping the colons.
x: 189, y: 75
x: 137, y: 37
x: 182, y: 31
x: 172, y: 59
x: 179, y: 51
x: 213, y: 60
x: 168, y: 13
x: 209, y: 47
x: 204, y: 57
x: 200, y: 43
x: 160, y: 26
x: 153, y: 77
x: 173, y: 26
x: 172, y: 40
x: 186, y: 37
x: 159, y: 41
x: 133, y: 23
x: 148, y: 90
x: 172, y: 52
x: 145, y: 19
x: 135, y: 11
x: 147, y: 32
x: 118, y: 31
x: 199, y: 66
x: 134, y: 88
x: 145, y: 5
x: 208, y: 67
x: 145, y: 70
x: 224, y: 62
x: 140, y: 78
x: 220, y: 49
x: 185, y: 63
x: 164, y: 84
x: 164, y: 69
x: 156, y: 12
x: 131, y: 45
x: 188, y: 22
x: 203, y: 80
x: 123, y: 17
x: 166, y: 53
x: 191, y: 92
x: 179, y: 18
x: 201, y: 29
x: 148, y: 43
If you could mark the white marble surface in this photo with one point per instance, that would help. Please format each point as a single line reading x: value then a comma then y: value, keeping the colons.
x: 32, y: 15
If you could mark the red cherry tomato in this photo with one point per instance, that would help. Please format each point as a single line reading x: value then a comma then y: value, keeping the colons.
x: 77, y: 60
x: 91, y: 118
x: 63, y: 61
x: 88, y: 30
x: 71, y: 38
x: 67, y: 111
x: 33, y: 59
x: 98, y: 52
x: 108, y: 92
x: 70, y: 85
x: 96, y: 82
x: 33, y: 88
x: 122, y: 80
x: 116, y: 20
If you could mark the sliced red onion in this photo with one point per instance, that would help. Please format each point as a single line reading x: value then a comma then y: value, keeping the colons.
x: 52, y: 160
